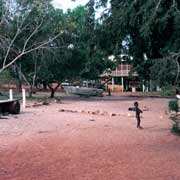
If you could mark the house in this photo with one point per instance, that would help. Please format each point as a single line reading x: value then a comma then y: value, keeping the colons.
x: 124, y: 79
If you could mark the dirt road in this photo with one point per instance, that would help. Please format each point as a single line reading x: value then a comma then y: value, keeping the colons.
x: 89, y: 140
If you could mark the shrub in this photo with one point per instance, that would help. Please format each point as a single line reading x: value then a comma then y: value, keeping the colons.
x: 176, y: 129
x: 168, y: 91
x: 173, y: 105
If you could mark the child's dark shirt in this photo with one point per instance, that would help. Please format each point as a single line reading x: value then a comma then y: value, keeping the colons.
x: 138, y: 111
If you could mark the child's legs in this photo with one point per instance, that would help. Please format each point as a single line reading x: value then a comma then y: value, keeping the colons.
x: 138, y: 121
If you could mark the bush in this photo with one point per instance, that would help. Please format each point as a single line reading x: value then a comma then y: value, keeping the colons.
x: 173, y: 105
x: 176, y: 129
x: 168, y: 91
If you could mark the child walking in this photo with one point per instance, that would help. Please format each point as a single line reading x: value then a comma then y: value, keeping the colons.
x: 138, y: 111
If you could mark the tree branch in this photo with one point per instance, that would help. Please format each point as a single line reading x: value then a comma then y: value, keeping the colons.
x: 36, y: 30
x: 158, y: 4
x: 19, y: 30
x: 28, y: 51
x: 9, y: 47
x: 41, y: 45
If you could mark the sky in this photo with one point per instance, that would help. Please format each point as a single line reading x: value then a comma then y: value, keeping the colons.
x: 65, y: 4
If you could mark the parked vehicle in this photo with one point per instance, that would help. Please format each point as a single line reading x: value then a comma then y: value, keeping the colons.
x: 83, y: 91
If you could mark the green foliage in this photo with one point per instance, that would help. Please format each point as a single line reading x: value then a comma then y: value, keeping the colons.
x: 176, y: 126
x: 6, y: 77
x: 173, y: 105
x: 152, y: 28
x: 168, y: 90
x: 163, y: 71
x: 174, y: 117
x: 176, y: 129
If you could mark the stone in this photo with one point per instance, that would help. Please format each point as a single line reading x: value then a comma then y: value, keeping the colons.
x: 61, y: 110
x: 112, y: 114
x: 91, y: 119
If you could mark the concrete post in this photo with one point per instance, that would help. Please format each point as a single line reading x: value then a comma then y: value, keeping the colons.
x: 10, y: 94
x: 143, y: 86
x: 122, y: 83
x: 112, y: 84
x: 24, y: 98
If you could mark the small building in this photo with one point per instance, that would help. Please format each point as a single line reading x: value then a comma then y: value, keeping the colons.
x: 124, y: 79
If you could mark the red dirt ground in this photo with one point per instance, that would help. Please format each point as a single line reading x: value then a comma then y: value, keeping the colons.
x: 43, y: 143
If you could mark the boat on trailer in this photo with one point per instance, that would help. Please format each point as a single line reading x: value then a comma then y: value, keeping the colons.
x: 8, y: 105
x: 83, y: 91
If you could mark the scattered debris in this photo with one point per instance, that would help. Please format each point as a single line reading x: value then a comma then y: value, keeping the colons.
x: 36, y: 104
x: 166, y: 112
x: 97, y: 112
x: 40, y: 132
x: 112, y: 114
x: 28, y: 106
x: 46, y: 131
x: 58, y: 100
x: 106, y: 125
x: 61, y: 110
x: 45, y: 101
x: 91, y: 119
x: 145, y: 108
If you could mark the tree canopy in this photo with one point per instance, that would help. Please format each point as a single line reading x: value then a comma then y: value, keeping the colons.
x: 40, y: 42
x: 145, y: 30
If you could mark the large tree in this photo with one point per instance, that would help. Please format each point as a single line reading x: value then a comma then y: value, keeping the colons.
x: 145, y: 30
x: 24, y: 29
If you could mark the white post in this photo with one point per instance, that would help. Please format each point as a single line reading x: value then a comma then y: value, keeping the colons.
x: 24, y: 97
x: 150, y: 86
x: 143, y: 86
x: 112, y: 84
x: 122, y: 83
x: 157, y: 88
x: 11, y: 94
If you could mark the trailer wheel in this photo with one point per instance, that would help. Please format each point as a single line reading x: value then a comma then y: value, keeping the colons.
x: 14, y: 107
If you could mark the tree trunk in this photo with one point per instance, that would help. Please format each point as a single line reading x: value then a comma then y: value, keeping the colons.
x: 19, y: 85
x: 52, y: 93
x: 17, y: 70
x: 44, y: 86
x: 31, y: 91
x: 53, y: 90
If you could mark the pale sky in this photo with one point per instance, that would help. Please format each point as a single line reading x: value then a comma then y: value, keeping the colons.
x: 65, y: 4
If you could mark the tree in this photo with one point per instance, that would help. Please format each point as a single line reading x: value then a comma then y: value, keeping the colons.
x: 146, y: 30
x: 96, y: 58
x: 65, y: 61
x: 22, y: 30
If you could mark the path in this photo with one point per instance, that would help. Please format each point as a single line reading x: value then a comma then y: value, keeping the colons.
x: 43, y: 143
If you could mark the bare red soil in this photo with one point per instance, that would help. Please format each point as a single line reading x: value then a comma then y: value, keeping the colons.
x: 44, y: 143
